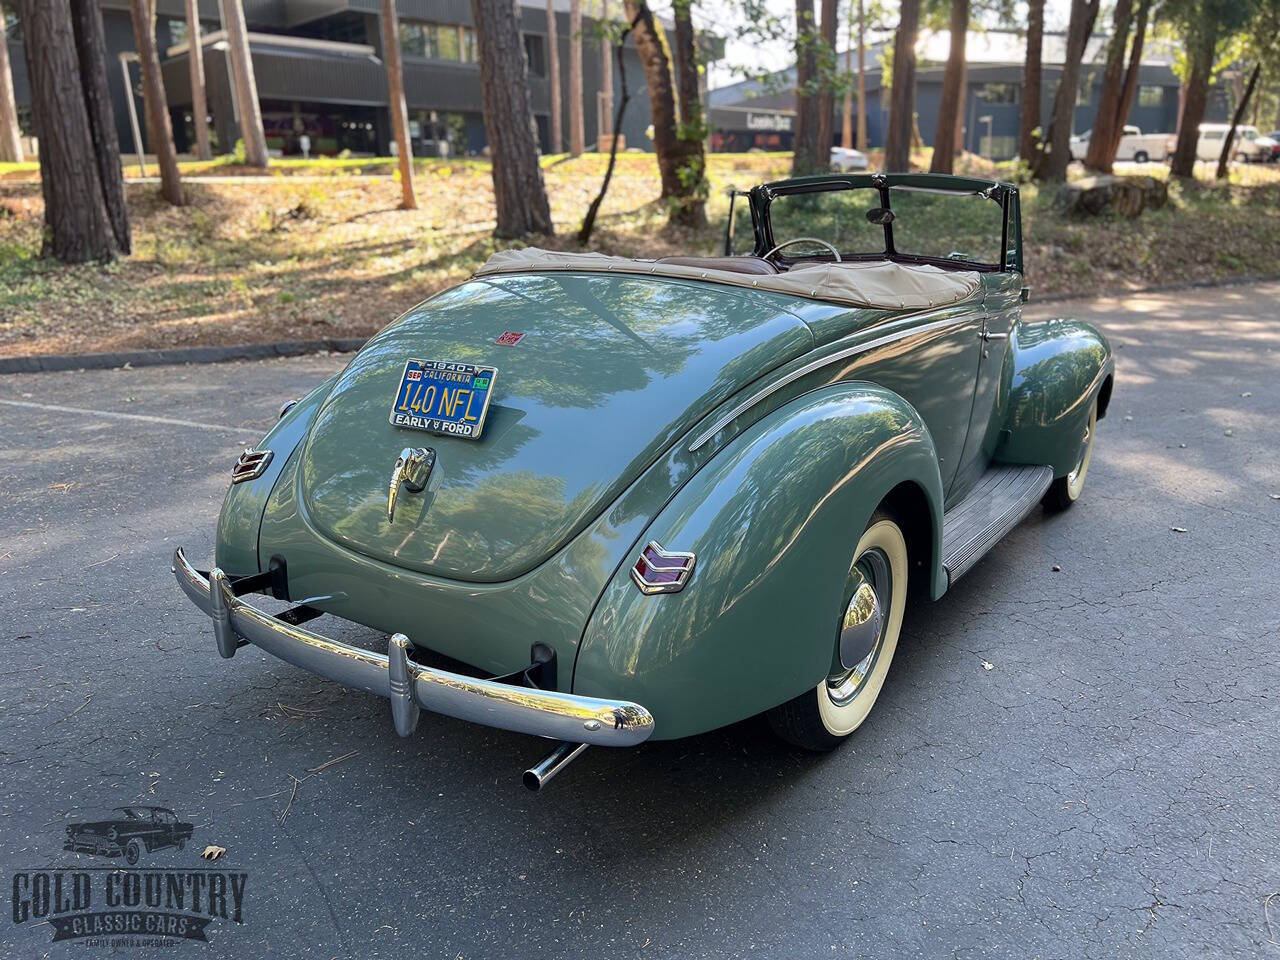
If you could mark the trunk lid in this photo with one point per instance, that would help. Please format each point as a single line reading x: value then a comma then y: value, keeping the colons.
x: 609, y: 371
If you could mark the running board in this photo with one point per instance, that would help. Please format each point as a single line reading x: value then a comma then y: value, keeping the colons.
x: 996, y: 504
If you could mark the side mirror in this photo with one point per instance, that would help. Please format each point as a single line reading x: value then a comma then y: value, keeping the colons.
x: 1026, y: 294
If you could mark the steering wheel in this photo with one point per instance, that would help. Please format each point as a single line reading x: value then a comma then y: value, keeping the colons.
x: 786, y: 243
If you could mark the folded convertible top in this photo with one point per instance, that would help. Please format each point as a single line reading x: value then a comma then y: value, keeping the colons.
x: 864, y: 283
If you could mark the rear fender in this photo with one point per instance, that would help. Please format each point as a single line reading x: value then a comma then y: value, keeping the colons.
x: 1053, y: 372
x: 236, y: 551
x: 773, y: 520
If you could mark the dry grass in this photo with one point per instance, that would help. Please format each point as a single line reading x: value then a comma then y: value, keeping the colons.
x: 334, y: 257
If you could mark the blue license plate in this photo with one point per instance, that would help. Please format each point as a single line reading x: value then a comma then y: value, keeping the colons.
x: 443, y: 397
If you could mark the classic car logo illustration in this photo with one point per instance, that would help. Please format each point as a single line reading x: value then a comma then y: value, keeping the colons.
x: 129, y: 832
x: 126, y: 905
x: 509, y: 339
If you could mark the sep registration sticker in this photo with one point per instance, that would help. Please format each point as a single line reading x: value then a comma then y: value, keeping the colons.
x: 439, y: 396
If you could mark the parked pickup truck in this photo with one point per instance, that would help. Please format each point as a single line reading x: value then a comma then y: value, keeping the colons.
x: 1134, y: 145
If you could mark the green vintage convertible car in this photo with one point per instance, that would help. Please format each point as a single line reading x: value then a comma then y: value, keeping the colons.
x: 645, y: 498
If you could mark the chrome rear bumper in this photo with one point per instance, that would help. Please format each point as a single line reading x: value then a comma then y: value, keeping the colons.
x: 409, y: 686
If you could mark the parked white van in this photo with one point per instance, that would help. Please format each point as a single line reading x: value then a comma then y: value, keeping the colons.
x: 1244, y: 148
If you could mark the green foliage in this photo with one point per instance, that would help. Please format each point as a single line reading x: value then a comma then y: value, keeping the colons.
x: 239, y: 152
x: 1016, y: 171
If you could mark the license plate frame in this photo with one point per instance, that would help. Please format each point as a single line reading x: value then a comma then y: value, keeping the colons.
x: 429, y: 392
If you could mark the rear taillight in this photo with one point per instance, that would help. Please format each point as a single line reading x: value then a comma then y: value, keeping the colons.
x: 659, y: 571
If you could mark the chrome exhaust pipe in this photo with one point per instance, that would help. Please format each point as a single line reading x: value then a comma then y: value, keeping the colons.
x: 540, y: 774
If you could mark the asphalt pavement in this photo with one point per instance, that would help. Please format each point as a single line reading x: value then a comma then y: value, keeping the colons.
x: 1077, y: 764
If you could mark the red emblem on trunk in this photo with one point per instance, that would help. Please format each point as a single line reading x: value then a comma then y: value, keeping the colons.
x: 509, y: 339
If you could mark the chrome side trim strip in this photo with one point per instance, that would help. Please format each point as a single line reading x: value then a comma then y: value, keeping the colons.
x: 411, y: 686
x: 818, y: 364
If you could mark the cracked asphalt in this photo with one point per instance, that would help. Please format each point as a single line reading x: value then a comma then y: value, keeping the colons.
x: 1072, y: 764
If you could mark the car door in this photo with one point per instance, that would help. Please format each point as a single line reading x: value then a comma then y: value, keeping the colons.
x: 935, y: 372
x: 1002, y: 307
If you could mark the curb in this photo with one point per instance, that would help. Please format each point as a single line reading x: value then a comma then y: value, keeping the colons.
x: 51, y: 362
x: 46, y: 363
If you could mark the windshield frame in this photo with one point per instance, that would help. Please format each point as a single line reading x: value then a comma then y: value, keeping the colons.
x: 1006, y: 194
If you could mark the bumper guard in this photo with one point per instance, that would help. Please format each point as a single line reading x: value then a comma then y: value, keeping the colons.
x: 409, y: 686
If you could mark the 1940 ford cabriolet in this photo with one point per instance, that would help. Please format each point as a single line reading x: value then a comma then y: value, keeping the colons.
x: 650, y: 498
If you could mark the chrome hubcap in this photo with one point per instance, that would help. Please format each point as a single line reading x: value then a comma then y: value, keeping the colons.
x: 862, y: 629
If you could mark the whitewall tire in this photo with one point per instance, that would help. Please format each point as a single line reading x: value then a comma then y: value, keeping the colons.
x: 866, y: 638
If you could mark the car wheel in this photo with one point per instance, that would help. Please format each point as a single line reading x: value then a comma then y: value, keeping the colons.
x: 1064, y: 491
x: 1242, y: 157
x: 134, y: 851
x: 867, y: 636
x: 1141, y: 157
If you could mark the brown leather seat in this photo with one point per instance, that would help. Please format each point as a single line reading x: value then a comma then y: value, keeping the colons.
x: 752, y: 265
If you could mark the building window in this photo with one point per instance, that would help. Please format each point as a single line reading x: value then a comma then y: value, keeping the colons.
x: 412, y: 39
x: 998, y: 148
x: 533, y: 52
x: 1150, y: 96
x: 1084, y: 92
x: 438, y: 41
x: 447, y: 43
x: 999, y: 92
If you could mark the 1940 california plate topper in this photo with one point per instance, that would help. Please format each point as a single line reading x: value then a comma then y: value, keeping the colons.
x: 443, y: 397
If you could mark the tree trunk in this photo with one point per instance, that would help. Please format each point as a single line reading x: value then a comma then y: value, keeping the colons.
x: 846, y: 110
x: 902, y: 99
x: 1194, y: 99
x: 91, y: 51
x: 960, y: 107
x: 606, y: 73
x: 245, y: 83
x: 826, y: 92
x: 77, y: 228
x: 399, y: 113
x: 657, y: 73
x: 152, y: 135
x: 862, y: 75
x: 1130, y: 89
x: 805, y: 158
x: 577, y: 130
x: 589, y: 221
x: 1225, y: 156
x: 553, y: 81
x: 195, y: 64
x: 10, y: 135
x: 944, y: 140
x: 691, y: 131
x: 1101, y: 156
x: 1029, y: 122
x: 1083, y: 15
x: 154, y: 101
x: 518, y: 189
